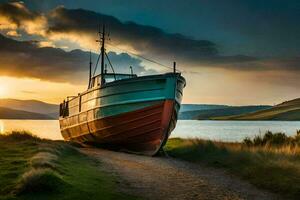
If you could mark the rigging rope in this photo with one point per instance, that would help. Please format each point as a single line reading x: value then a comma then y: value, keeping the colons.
x: 110, y: 65
x: 150, y: 60
x: 96, y: 64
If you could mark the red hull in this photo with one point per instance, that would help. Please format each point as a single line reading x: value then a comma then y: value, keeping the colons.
x: 143, y: 131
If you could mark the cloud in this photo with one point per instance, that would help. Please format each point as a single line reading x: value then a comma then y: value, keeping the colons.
x: 28, y: 92
x: 15, y: 15
x: 17, y: 12
x: 13, y: 33
x: 144, y: 40
x: 28, y: 59
x: 80, y: 27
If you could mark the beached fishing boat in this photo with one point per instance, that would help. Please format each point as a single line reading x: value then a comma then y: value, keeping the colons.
x: 123, y: 111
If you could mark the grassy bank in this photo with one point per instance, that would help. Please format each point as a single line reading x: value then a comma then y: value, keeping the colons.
x: 271, y: 161
x: 31, y: 168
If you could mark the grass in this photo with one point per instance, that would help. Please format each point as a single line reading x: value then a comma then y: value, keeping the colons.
x: 273, y: 163
x: 32, y: 168
x: 38, y: 181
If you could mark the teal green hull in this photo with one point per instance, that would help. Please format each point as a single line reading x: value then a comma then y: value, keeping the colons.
x: 129, y: 95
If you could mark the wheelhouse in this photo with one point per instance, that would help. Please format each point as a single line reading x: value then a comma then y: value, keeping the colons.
x: 109, y: 77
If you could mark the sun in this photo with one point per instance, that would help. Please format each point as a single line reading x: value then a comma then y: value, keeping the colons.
x: 3, y: 91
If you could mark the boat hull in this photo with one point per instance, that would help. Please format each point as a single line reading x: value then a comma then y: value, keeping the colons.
x: 142, y: 129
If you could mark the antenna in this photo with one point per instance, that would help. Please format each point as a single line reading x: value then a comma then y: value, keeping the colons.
x: 174, y: 67
x: 102, y: 54
x: 131, y: 71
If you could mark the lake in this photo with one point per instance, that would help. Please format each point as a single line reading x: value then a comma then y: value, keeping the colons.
x: 214, y: 130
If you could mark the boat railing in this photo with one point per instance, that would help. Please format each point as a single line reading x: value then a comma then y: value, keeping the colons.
x: 64, y: 109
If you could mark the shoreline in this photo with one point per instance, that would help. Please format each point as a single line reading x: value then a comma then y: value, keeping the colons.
x: 257, y: 169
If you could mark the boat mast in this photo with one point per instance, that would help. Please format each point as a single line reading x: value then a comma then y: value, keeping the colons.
x: 102, y: 54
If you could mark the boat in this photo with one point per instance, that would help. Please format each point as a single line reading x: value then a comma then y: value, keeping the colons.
x: 123, y: 112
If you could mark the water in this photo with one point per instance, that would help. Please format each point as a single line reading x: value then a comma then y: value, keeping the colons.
x: 231, y: 131
x: 214, y: 130
x: 48, y: 129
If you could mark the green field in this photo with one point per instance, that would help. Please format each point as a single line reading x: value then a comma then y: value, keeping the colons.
x: 31, y: 168
x: 289, y: 111
x: 271, y: 162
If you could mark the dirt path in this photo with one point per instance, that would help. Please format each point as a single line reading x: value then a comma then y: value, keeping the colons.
x: 168, y: 178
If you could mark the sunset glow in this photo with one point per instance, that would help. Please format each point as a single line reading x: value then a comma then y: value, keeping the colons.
x: 45, y: 53
x: 24, y: 88
x: 3, y: 91
x: 212, y: 83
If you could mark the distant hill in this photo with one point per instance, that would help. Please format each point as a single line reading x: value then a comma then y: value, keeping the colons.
x: 193, y: 107
x: 31, y: 106
x: 229, y: 111
x: 288, y: 110
x: 190, y: 111
x: 7, y: 113
x: 218, y: 111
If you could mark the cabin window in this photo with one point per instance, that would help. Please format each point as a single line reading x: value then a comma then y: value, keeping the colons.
x: 110, y: 79
x: 113, y: 77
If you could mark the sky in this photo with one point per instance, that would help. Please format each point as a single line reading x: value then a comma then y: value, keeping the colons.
x: 230, y: 52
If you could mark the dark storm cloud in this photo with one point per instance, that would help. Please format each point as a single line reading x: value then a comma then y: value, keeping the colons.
x: 147, y: 40
x: 142, y: 38
x: 17, y: 12
x: 26, y: 59
x: 250, y: 27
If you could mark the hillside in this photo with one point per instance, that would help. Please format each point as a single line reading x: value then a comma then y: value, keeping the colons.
x: 29, y: 105
x: 32, y: 106
x: 190, y: 111
x: 206, y: 112
x: 288, y: 110
x: 235, y: 110
x: 7, y: 113
x: 193, y: 107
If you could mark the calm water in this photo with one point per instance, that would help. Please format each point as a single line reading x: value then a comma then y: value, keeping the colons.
x: 214, y: 130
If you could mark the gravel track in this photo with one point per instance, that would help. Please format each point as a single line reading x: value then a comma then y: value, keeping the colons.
x: 169, y: 178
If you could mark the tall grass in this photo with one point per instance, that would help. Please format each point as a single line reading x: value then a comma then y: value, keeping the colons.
x: 44, y: 160
x: 43, y: 174
x: 19, y: 136
x: 274, y: 139
x: 271, y: 161
x: 34, y: 168
x: 40, y: 174
x: 39, y: 180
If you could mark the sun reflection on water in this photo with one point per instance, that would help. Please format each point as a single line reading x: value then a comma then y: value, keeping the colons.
x: 1, y: 127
